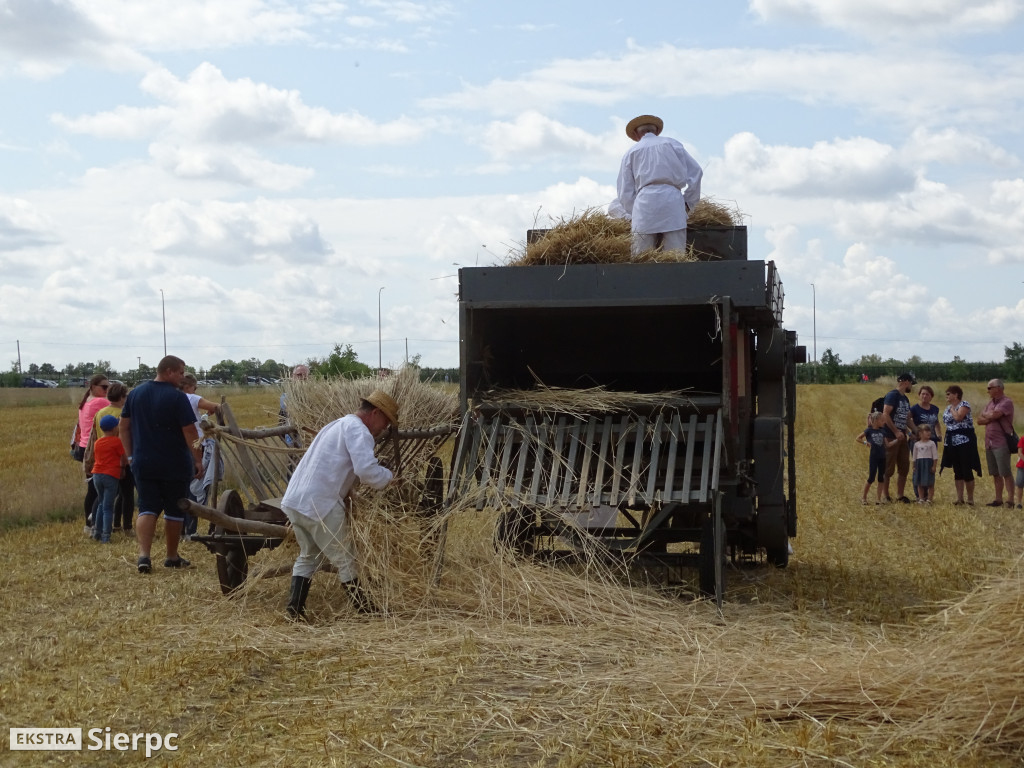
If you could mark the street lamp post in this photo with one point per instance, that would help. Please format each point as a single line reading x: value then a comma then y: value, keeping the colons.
x: 163, y: 311
x: 380, y: 348
x: 814, y: 320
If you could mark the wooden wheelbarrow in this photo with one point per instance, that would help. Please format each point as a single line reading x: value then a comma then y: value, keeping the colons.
x: 248, y: 518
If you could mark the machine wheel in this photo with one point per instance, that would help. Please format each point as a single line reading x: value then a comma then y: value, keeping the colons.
x: 706, y: 566
x: 778, y: 556
x: 232, y: 568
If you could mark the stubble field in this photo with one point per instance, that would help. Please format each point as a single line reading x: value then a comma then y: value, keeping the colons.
x: 892, y: 639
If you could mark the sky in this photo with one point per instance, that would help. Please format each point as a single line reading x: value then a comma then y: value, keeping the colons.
x: 269, y: 178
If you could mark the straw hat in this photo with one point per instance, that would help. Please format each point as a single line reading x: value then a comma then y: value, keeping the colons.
x: 385, y: 404
x: 633, y: 124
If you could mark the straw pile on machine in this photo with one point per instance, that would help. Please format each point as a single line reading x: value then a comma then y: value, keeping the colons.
x: 594, y: 237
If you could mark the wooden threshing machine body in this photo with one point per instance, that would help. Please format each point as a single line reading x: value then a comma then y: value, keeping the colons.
x: 711, y: 465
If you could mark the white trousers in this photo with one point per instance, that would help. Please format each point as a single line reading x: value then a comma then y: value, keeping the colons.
x: 667, y: 241
x: 322, y: 541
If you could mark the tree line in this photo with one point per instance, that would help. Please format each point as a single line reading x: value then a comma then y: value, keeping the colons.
x: 831, y: 370
x: 341, y: 362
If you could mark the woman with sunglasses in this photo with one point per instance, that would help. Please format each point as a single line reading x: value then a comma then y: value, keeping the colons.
x: 95, y: 398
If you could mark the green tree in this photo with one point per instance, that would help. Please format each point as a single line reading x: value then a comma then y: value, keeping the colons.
x: 341, y: 362
x: 227, y: 370
x: 830, y: 367
x: 1013, y: 368
x: 958, y: 369
x: 869, y: 360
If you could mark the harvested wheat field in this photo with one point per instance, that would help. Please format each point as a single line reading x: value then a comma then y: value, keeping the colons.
x: 893, y: 639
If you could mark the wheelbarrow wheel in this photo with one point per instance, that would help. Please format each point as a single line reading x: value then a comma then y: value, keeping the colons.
x: 232, y: 568
x: 232, y: 561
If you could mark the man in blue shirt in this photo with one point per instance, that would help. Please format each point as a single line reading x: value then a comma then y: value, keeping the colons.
x: 158, y: 430
x: 895, y: 410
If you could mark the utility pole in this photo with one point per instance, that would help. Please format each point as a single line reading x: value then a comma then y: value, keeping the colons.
x: 380, y: 353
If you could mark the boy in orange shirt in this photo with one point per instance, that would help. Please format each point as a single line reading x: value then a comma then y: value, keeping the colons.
x: 109, y: 464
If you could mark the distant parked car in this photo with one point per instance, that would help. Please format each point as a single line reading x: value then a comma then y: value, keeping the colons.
x: 29, y: 381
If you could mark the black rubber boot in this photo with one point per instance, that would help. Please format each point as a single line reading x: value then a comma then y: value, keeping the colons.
x: 296, y: 608
x: 360, y: 600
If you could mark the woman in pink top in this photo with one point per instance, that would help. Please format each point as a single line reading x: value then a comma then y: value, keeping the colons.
x: 95, y: 398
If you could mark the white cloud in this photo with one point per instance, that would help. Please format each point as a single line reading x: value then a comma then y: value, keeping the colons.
x: 929, y: 213
x: 533, y: 137
x: 408, y: 12
x: 156, y: 25
x: 44, y: 37
x: 208, y: 107
x: 1007, y: 210
x: 954, y: 146
x: 844, y: 168
x: 121, y: 123
x: 237, y: 164
x: 235, y: 233
x: 907, y: 85
x: 23, y: 226
x: 892, y: 17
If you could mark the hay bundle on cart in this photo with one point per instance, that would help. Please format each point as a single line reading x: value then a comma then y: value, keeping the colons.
x: 594, y: 237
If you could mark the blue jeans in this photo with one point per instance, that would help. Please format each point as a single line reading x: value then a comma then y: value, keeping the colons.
x: 106, y: 489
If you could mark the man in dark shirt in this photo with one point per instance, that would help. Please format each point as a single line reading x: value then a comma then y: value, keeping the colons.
x: 158, y: 429
x: 895, y: 410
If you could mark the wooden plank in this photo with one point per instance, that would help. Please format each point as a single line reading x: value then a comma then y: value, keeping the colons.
x: 638, y: 454
x: 538, y: 467
x: 620, y: 460
x: 244, y: 459
x: 602, y: 460
x: 690, y: 437
x: 705, y: 466
x: 508, y: 435
x: 557, y: 461
x: 525, y: 446
x: 485, y: 471
x: 454, y: 484
x: 652, y: 475
x: 673, y: 450
x: 571, y: 475
x: 588, y: 453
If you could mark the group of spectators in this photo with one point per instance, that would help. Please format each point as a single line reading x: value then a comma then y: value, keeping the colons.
x: 899, y: 433
x: 148, y: 440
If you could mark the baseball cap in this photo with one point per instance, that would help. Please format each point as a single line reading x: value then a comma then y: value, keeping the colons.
x: 108, y: 422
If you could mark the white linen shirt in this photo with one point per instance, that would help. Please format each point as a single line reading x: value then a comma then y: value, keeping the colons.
x: 340, y: 453
x: 652, y: 174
